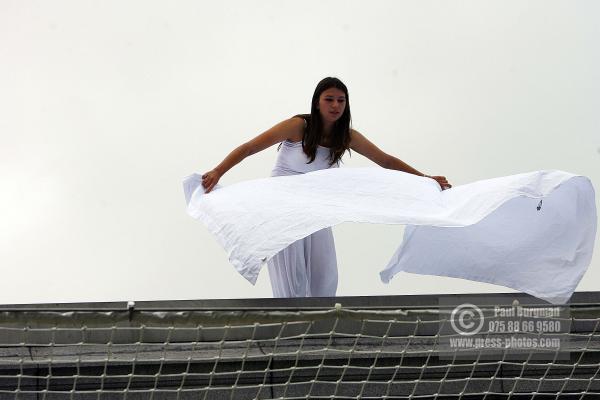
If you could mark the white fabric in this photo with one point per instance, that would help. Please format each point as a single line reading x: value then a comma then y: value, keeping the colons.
x: 507, y: 240
x: 291, y: 160
x: 307, y: 267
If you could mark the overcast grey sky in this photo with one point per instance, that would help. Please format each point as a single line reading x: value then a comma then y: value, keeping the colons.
x: 105, y: 106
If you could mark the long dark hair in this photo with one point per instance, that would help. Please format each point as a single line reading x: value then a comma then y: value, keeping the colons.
x: 340, y: 133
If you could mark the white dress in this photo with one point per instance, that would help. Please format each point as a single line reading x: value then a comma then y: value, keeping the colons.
x: 307, y: 267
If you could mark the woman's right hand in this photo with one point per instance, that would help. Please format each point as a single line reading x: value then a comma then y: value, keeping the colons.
x: 210, y: 179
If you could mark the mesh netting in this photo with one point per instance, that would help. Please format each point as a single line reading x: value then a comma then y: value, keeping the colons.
x: 329, y: 353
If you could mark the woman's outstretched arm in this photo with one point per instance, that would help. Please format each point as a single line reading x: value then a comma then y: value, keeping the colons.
x: 289, y: 129
x: 362, y: 145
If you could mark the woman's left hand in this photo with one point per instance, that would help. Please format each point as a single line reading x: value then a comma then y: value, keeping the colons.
x: 441, y: 180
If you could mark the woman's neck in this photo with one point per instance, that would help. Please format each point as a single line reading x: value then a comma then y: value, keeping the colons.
x: 327, y: 127
x: 326, y: 137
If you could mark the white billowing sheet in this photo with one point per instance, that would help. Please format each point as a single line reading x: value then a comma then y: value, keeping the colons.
x: 533, y: 232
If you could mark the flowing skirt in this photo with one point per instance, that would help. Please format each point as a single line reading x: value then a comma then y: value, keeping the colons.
x: 306, y: 268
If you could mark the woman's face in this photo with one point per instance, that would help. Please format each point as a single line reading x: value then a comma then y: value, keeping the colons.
x: 332, y: 103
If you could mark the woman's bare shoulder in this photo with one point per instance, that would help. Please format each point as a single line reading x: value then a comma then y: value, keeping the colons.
x: 296, y: 125
x: 355, y: 135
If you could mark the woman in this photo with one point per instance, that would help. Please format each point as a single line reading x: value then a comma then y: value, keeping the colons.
x: 308, y: 267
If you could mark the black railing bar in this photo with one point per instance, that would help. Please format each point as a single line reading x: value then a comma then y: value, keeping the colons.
x: 579, y: 307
